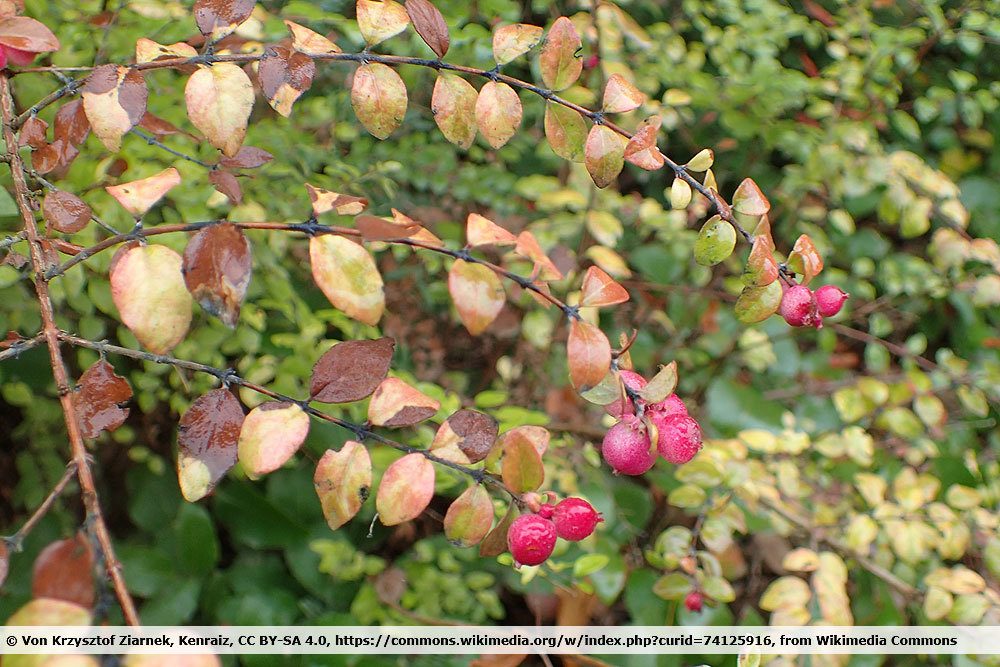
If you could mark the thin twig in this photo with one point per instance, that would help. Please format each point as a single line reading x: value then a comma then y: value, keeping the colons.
x: 22, y: 345
x: 16, y: 541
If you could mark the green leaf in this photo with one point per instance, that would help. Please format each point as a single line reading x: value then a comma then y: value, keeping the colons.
x: 756, y: 304
x: 715, y: 243
x: 586, y: 565
x: 673, y: 586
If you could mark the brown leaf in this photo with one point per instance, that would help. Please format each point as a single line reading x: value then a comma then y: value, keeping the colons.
x: 498, y: 112
x: 33, y: 133
x: 429, y: 24
x: 99, y: 399
x: 65, y: 212
x: 589, y: 355
x: 207, y: 438
x: 527, y: 246
x: 406, y: 489
x: 227, y: 184
x: 495, y: 542
x: 284, y: 75
x: 47, y: 158
x: 472, y: 432
x: 351, y: 370
x: 218, y: 18
x: 217, y: 268
x: 71, y: 124
x: 248, y: 157
x: 114, y: 99
x: 397, y: 404
x: 324, y: 201
x: 158, y: 126
x: 600, y: 289
x: 641, y: 149
x: 64, y: 571
x: 27, y: 34
x: 379, y: 98
x: 373, y: 228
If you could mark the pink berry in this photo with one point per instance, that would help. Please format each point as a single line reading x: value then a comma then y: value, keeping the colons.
x: 531, y: 539
x: 590, y: 62
x: 829, y: 300
x: 798, y: 307
x: 671, y: 405
x: 624, y: 406
x: 679, y: 438
x: 575, y: 519
x: 626, y: 447
x: 694, y: 601
x: 546, y: 511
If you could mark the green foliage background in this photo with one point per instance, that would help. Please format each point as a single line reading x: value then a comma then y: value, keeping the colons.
x: 870, y: 125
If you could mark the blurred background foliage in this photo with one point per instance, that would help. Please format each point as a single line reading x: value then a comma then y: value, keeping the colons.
x: 851, y: 473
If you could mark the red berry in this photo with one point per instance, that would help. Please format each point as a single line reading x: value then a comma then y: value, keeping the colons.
x: 671, y: 405
x: 679, y: 438
x: 829, y: 300
x: 531, y: 539
x: 798, y: 307
x: 626, y: 447
x: 575, y: 519
x: 694, y: 601
x: 590, y: 62
x: 546, y: 511
x: 624, y: 406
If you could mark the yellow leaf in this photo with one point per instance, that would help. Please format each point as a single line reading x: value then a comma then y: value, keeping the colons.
x: 347, y: 275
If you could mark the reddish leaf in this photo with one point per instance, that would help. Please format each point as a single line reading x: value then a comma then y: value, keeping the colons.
x: 527, y: 246
x: 521, y: 467
x: 454, y: 107
x: 397, y: 404
x: 406, y: 489
x: 148, y: 290
x: 498, y: 112
x: 114, y: 99
x: 761, y: 268
x: 48, y: 157
x: 71, y: 124
x: 589, y: 355
x: 343, y: 481
x: 346, y: 273
x: 158, y: 126
x: 469, y: 517
x: 429, y: 24
x: 64, y: 570
x: 600, y: 289
x: 227, y: 184
x: 373, y: 228
x: 379, y: 99
x: 4, y: 562
x: 219, y: 100
x: 65, y: 212
x: 207, y: 439
x: 566, y: 132
x: 512, y: 41
x: 481, y: 231
x: 217, y: 267
x: 620, y: 95
x: 248, y: 157
x: 351, y: 370
x: 423, y: 235
x: 378, y: 20
x: 33, y: 133
x: 100, y: 398
x: 218, y: 18
x: 477, y: 293
x: 270, y: 435
x: 805, y: 259
x: 27, y: 34
x: 641, y: 149
x: 537, y: 436
x: 749, y: 200
x: 470, y: 432
x: 284, y: 75
x: 137, y: 197
x: 309, y: 42
x: 604, y: 155
x: 560, y: 62
x: 324, y: 201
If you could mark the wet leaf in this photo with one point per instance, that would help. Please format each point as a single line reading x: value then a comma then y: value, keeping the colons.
x: 347, y: 275
x: 207, y: 442
x: 227, y: 184
x: 756, y: 304
x: 351, y: 370
x: 454, y: 107
x: 589, y: 355
x: 715, y: 242
x: 284, y: 76
x: 146, y: 50
x: 406, y: 489
x: 270, y: 435
x: 248, y: 157
x: 218, y: 18
x: 429, y: 24
x: 641, y: 150
x: 604, y: 155
x: 512, y: 41
x: 495, y: 542
x: 219, y: 101
x: 566, y: 132
x: 498, y: 113
x: 33, y: 133
x: 343, y: 481
x: 148, y: 290
x: 64, y: 570
x: 620, y: 95
x: 470, y: 431
x: 309, y: 42
x: 559, y: 61
x: 379, y: 99
x: 477, y: 293
x: 662, y: 385
x: 805, y: 259
x: 600, y: 289
x: 396, y: 404
x: 137, y: 197
x: 100, y: 399
x: 749, y: 200
x: 378, y: 20
x: 27, y: 34
x: 469, y: 517
x: 65, y: 212
x: 761, y: 268
x: 324, y: 201
x: 114, y: 100
x: 480, y: 231
x: 217, y: 268
x: 521, y: 466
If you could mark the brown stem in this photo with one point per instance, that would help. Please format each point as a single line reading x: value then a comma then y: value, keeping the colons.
x: 19, y: 346
x: 16, y: 540
x: 59, y: 372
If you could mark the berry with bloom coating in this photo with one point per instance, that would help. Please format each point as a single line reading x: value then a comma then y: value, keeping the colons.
x: 694, y: 601
x: 575, y: 519
x: 798, y: 307
x: 829, y: 300
x: 626, y: 447
x: 679, y: 438
x: 531, y: 539
x: 671, y: 405
x: 624, y: 406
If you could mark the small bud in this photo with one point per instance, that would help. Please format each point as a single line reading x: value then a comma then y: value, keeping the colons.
x: 694, y: 601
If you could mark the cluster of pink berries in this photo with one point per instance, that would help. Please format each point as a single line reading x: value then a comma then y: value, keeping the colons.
x: 627, y: 447
x: 801, y: 307
x: 532, y: 537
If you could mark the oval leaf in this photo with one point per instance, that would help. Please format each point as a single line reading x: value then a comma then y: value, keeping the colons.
x: 343, y: 481
x: 511, y: 41
x: 219, y: 101
x: 589, y: 355
x: 604, y: 155
x: 521, y: 467
x: 284, y: 75
x: 429, y: 24
x: 378, y: 20
x: 347, y: 275
x: 469, y: 517
x: 715, y: 242
x: 478, y: 295
x: 559, y: 62
x: 379, y: 99
x: 65, y: 212
x: 396, y: 404
x: 46, y: 611
x: 114, y: 100
x: 27, y: 34
x: 137, y: 197
x: 454, y: 107
x: 146, y: 50
x: 600, y: 289
x: 406, y: 489
x: 566, y: 132
x: 470, y: 432
x: 309, y: 42
x: 481, y: 231
x: 756, y: 304
x: 217, y: 267
x: 64, y: 570
x: 324, y: 201
x: 100, y: 399
x: 620, y: 95
x: 207, y: 442
x: 498, y: 112
x: 218, y: 18
x: 71, y: 124
x: 749, y: 200
x: 148, y: 290
x: 351, y: 371
x: 270, y: 435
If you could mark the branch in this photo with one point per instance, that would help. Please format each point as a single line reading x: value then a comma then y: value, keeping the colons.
x: 22, y: 345
x: 16, y: 541
x: 59, y: 373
